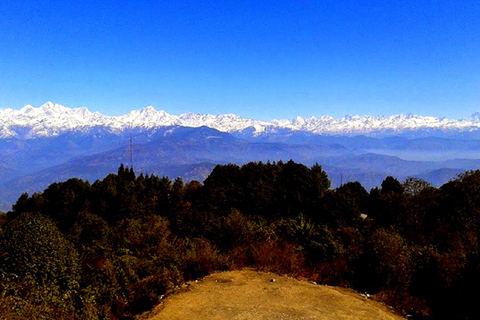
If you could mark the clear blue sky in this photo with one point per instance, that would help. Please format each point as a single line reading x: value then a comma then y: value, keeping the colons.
x: 259, y: 59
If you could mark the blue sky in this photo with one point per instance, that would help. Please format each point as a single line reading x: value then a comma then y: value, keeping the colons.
x: 258, y: 59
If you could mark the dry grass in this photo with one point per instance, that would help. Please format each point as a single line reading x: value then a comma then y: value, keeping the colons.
x: 253, y: 295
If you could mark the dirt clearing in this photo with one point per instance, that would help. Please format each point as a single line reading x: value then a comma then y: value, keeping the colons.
x: 255, y: 295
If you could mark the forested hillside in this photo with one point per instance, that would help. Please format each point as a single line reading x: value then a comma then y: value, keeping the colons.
x: 113, y: 248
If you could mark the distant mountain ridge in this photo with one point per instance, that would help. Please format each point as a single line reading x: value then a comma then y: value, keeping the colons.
x: 39, y: 146
x: 53, y: 119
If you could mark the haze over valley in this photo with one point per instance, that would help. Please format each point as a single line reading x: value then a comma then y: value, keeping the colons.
x: 52, y: 143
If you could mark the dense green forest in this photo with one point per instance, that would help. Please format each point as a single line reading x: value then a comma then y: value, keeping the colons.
x: 114, y: 248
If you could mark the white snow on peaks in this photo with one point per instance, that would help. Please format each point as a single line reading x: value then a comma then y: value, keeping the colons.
x: 52, y: 119
x: 48, y: 120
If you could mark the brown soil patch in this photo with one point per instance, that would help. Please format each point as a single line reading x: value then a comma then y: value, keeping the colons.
x: 254, y: 295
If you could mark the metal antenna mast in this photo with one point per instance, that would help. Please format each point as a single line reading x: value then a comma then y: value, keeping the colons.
x: 131, y: 149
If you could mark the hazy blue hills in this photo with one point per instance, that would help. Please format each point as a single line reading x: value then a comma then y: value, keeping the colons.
x: 30, y: 165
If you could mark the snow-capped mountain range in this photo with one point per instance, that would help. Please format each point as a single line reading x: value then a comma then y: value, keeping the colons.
x: 52, y: 143
x: 53, y: 119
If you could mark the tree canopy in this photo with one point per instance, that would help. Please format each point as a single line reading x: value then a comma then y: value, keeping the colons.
x: 112, y: 248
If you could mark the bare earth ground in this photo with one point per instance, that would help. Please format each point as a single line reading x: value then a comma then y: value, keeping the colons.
x: 252, y: 295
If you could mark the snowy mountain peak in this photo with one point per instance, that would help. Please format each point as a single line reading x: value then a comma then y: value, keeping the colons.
x: 475, y: 117
x: 50, y: 105
x: 28, y: 108
x: 52, y: 119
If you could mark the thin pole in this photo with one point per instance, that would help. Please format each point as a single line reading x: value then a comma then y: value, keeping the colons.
x: 131, y: 149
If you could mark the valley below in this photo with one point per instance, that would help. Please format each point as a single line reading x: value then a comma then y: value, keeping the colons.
x: 39, y: 146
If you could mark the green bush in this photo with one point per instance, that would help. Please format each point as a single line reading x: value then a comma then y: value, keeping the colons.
x: 34, y: 252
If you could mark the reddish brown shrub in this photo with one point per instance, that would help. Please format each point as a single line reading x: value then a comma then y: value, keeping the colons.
x: 279, y: 257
